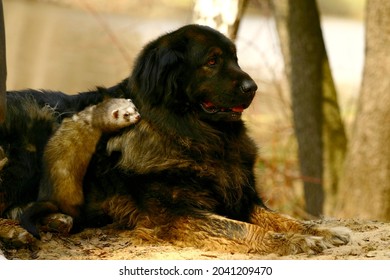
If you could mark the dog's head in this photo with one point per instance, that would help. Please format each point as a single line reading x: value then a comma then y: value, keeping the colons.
x: 193, y: 70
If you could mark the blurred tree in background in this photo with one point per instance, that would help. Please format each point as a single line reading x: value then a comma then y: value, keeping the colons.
x: 365, y: 187
x: 223, y: 15
x: 316, y: 114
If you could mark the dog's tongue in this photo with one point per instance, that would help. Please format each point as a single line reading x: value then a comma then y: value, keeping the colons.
x: 238, y: 109
x: 210, y: 106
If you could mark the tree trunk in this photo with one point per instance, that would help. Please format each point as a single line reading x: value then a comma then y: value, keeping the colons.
x: 223, y: 15
x: 3, y: 67
x: 365, y: 186
x: 317, y: 121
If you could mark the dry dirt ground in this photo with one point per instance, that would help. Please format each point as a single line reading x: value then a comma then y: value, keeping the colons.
x: 370, y: 240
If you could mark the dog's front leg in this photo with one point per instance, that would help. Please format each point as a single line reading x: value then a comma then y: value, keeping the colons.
x: 214, y: 232
x: 277, y: 222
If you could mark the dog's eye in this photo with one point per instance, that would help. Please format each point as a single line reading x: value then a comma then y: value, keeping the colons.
x: 212, y: 61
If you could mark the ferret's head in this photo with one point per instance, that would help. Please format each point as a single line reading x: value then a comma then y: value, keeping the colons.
x: 115, y: 113
x: 124, y: 112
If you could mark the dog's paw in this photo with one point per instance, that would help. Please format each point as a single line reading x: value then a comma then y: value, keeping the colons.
x: 57, y: 222
x: 13, y: 235
x: 292, y: 244
x: 336, y: 236
x: 314, y: 243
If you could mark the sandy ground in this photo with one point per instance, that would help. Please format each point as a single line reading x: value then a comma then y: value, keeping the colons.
x: 370, y: 240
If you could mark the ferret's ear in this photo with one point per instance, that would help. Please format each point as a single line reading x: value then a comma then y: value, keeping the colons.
x: 115, y: 114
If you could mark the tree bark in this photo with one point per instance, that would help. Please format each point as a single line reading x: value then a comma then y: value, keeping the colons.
x: 317, y: 120
x: 223, y: 15
x: 365, y: 186
x: 3, y: 67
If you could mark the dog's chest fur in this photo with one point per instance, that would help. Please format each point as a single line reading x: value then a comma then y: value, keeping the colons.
x: 177, y: 168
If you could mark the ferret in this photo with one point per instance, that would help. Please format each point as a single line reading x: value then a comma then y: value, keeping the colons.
x: 67, y: 155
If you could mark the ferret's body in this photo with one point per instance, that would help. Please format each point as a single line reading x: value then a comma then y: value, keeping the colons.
x: 68, y: 153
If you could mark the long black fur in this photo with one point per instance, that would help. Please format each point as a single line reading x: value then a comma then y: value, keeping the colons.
x: 179, y: 160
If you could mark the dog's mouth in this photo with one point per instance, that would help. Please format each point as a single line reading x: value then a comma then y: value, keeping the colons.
x: 210, y: 108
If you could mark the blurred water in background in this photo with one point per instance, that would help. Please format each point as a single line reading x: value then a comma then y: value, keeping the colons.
x: 56, y: 47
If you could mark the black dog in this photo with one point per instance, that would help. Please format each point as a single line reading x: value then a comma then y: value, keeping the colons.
x: 184, y: 173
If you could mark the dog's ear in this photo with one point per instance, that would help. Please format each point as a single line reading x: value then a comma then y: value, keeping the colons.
x: 157, y: 74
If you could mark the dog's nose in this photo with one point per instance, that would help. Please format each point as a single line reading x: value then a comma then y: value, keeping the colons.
x: 248, y: 86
